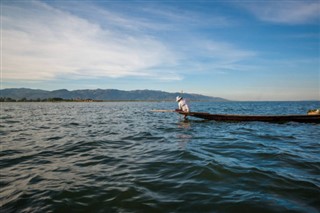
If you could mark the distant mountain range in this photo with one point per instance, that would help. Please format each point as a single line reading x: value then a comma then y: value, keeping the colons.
x: 101, y: 94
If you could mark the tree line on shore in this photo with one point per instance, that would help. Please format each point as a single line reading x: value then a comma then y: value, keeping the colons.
x: 7, y: 99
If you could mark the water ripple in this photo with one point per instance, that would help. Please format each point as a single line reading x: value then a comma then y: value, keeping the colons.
x: 119, y: 157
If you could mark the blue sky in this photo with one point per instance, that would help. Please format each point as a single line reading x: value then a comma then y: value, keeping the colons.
x: 239, y: 50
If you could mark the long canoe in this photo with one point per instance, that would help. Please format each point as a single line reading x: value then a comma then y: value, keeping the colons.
x: 262, y: 118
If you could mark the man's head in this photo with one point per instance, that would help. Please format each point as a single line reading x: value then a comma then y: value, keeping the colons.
x: 178, y: 98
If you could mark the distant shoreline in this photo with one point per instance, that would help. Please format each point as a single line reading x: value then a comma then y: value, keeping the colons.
x: 25, y: 94
x: 5, y: 100
x: 57, y: 100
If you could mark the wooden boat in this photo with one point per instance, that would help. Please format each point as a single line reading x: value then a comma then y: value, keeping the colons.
x: 262, y: 118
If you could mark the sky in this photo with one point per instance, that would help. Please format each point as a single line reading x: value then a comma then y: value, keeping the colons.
x: 251, y: 50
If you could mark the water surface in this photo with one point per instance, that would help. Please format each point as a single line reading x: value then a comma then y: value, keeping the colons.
x: 120, y: 157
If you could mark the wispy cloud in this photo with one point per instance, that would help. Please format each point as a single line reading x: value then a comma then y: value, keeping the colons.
x: 44, y: 42
x: 214, y: 57
x: 41, y: 42
x: 286, y: 12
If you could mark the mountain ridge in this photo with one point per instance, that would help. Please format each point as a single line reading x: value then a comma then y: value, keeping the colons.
x: 102, y: 94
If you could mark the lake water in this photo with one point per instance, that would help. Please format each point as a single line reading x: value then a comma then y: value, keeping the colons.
x: 120, y: 157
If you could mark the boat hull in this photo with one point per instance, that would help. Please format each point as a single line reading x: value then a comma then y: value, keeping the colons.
x: 261, y: 118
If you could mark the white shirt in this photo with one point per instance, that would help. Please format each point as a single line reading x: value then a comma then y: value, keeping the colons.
x: 183, y: 105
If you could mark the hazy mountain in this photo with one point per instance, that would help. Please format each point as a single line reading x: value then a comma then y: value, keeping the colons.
x: 101, y: 94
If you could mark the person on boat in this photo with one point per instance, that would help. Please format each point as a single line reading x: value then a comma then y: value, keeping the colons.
x: 182, y: 104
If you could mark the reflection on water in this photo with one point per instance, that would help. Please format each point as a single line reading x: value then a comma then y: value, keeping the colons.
x: 185, y: 134
x: 184, y: 123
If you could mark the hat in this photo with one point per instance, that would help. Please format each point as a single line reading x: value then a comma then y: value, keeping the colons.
x: 178, y: 98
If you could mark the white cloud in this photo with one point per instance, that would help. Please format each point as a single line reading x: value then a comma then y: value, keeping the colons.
x: 41, y: 42
x: 74, y: 41
x: 287, y: 11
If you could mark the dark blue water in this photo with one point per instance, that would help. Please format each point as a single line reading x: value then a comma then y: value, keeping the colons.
x: 120, y: 157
